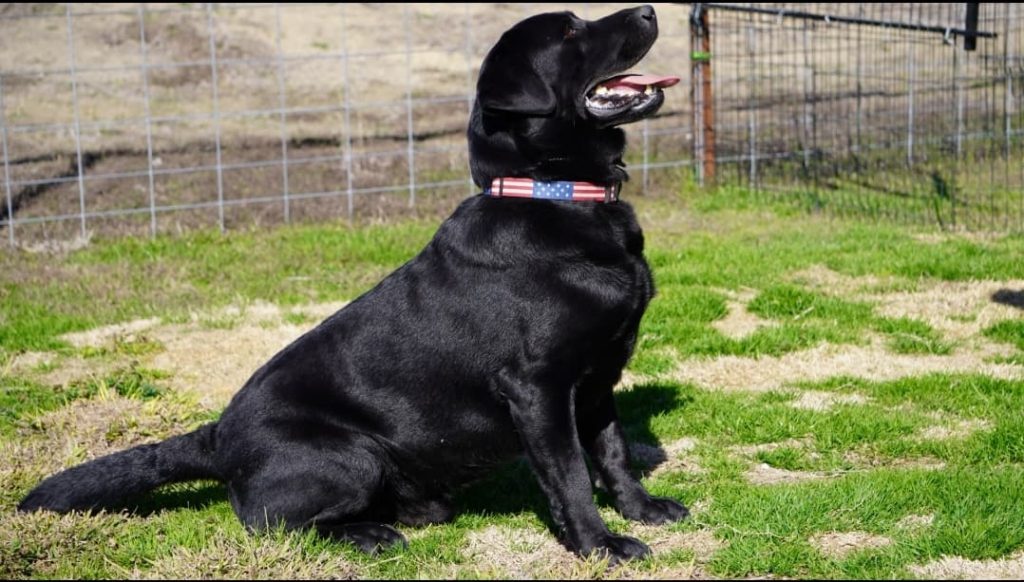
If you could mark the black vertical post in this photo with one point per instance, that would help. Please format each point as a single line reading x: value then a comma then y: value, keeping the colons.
x: 971, y: 26
x: 701, y: 94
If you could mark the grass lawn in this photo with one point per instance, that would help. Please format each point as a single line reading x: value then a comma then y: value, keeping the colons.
x: 832, y: 399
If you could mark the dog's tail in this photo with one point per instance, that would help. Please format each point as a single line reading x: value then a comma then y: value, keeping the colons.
x: 106, y: 482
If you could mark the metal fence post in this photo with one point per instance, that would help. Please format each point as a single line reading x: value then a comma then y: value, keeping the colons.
x: 645, y: 133
x: 411, y: 144
x: 282, y: 103
x: 7, y: 168
x: 216, y: 114
x: 470, y: 86
x: 1007, y: 87
x: 77, y: 119
x: 752, y: 109
x: 144, y: 49
x: 808, y: 75
x: 911, y: 70
x: 958, y: 100
x: 860, y: 87
x: 347, y: 114
x: 701, y: 95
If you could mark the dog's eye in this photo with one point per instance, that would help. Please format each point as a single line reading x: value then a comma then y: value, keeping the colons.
x: 570, y: 32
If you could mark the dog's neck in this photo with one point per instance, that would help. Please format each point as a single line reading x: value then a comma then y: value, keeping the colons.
x: 500, y: 148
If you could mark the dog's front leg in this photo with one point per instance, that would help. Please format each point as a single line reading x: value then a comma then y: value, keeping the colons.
x: 544, y: 416
x: 601, y: 434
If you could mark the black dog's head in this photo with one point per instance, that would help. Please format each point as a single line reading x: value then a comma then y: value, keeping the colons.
x: 551, y: 92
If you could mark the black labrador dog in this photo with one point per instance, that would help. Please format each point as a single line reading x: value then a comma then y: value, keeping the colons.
x: 505, y: 335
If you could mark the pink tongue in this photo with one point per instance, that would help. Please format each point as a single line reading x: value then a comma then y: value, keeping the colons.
x: 640, y: 81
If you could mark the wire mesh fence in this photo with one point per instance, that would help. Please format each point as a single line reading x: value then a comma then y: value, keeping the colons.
x: 876, y: 110
x: 147, y: 119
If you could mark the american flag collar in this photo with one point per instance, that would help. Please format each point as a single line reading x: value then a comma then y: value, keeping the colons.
x: 556, y: 190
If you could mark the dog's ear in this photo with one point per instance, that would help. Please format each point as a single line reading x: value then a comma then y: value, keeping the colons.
x: 509, y: 83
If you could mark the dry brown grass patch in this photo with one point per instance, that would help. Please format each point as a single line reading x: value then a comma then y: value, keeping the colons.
x: 56, y: 369
x: 213, y: 354
x: 872, y: 362
x: 865, y: 460
x: 821, y: 278
x: 247, y: 557
x: 106, y: 335
x: 838, y: 545
x: 752, y: 450
x: 522, y: 554
x: 822, y: 401
x: 957, y: 430
x: 765, y: 474
x: 661, y: 539
x: 960, y: 310
x: 739, y: 322
x: 915, y: 522
x: 957, y: 568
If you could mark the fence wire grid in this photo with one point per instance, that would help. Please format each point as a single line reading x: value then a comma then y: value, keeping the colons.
x: 147, y: 119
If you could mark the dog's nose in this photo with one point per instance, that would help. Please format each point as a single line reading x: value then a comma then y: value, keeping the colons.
x: 644, y: 17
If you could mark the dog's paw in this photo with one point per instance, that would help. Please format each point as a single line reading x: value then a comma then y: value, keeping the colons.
x: 371, y: 538
x: 655, y: 510
x: 618, y: 549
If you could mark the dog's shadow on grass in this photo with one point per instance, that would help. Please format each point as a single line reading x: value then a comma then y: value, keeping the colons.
x: 1009, y: 297
x: 512, y: 488
x: 194, y: 496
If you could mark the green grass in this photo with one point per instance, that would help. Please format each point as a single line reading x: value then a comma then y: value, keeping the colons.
x: 974, y: 498
x: 1009, y: 331
x: 170, y: 277
x: 878, y: 463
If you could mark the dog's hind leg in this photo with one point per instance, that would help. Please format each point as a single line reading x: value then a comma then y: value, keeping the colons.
x: 418, y: 513
x: 340, y: 494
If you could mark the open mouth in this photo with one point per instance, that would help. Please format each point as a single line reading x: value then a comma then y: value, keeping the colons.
x: 626, y: 93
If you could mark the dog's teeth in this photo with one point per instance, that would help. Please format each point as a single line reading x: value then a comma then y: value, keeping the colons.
x: 648, y: 90
x: 602, y: 90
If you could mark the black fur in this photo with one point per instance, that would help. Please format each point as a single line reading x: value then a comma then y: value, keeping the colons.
x: 504, y: 335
